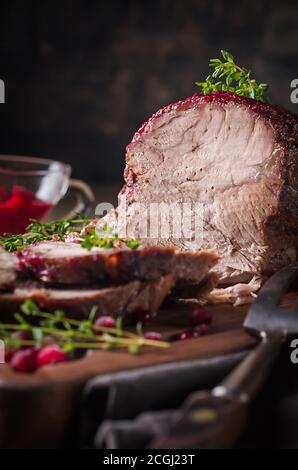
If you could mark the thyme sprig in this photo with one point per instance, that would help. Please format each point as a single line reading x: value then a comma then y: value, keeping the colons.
x: 37, y: 232
x: 71, y: 334
x: 229, y: 76
x: 106, y: 238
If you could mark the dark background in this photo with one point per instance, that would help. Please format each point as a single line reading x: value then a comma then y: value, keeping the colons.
x: 82, y: 76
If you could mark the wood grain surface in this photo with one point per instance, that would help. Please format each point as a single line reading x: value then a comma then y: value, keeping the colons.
x: 227, y: 335
x: 40, y: 409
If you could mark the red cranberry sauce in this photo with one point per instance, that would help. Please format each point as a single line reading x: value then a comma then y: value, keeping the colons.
x: 18, y: 207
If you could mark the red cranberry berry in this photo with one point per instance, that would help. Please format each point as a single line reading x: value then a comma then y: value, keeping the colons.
x: 22, y: 335
x: 9, y: 354
x: 19, y: 335
x: 200, y: 330
x: 153, y: 335
x: 187, y: 334
x: 199, y: 315
x: 48, y: 340
x: 24, y: 360
x: 105, y: 322
x: 51, y: 354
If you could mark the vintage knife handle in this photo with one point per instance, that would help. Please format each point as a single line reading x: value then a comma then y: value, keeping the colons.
x: 247, y: 379
x: 216, y: 419
x: 206, y: 422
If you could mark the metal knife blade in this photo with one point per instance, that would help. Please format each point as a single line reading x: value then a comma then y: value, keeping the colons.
x: 265, y: 315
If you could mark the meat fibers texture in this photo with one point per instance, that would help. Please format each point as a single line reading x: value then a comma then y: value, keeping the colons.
x: 53, y: 262
x: 116, y: 301
x: 234, y: 161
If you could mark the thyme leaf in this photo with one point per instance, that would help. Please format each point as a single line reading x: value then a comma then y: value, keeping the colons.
x: 71, y: 334
x: 229, y: 76
x: 106, y: 238
x: 37, y: 232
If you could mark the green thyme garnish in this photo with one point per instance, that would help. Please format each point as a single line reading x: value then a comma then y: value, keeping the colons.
x: 37, y: 232
x: 107, y: 238
x: 228, y: 76
x: 92, y: 239
x: 132, y: 243
x: 71, y: 334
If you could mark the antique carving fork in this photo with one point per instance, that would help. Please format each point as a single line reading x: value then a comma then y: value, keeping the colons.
x: 216, y: 418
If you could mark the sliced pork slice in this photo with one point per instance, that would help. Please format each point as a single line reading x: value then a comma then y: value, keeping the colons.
x: 77, y: 303
x: 234, y: 161
x: 69, y: 263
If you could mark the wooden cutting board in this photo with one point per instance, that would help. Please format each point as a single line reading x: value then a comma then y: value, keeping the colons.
x: 38, y: 410
x: 226, y: 336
